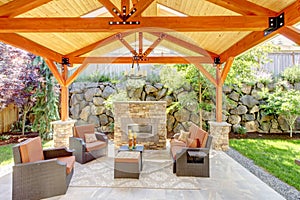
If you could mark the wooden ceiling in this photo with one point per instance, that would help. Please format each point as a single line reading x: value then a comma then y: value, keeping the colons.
x: 170, y: 31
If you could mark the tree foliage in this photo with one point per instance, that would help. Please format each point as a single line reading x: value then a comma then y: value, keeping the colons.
x: 46, y: 107
x: 285, y: 103
x: 18, y: 79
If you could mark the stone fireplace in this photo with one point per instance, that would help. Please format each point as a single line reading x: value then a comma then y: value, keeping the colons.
x: 145, y: 118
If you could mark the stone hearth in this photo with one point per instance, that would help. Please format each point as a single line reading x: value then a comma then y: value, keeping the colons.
x: 146, y: 118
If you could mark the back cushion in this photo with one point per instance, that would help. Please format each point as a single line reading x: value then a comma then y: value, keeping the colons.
x: 197, y: 133
x: 80, y: 131
x: 31, y: 150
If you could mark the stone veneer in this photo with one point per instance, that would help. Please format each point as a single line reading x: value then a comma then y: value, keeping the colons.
x: 62, y: 130
x: 220, y: 131
x: 144, y: 113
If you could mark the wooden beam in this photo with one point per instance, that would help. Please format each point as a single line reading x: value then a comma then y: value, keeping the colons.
x: 219, y: 93
x: 140, y: 6
x: 153, y: 45
x: 76, y: 73
x: 97, y: 44
x: 182, y: 24
x: 18, y: 7
x: 206, y: 73
x: 128, y: 60
x: 243, y: 7
x: 30, y: 46
x: 226, y: 69
x: 64, y: 95
x: 55, y: 72
x: 110, y: 7
x: 292, y: 16
x: 134, y: 2
x: 291, y: 33
x: 187, y: 45
x: 128, y: 46
x: 140, y: 43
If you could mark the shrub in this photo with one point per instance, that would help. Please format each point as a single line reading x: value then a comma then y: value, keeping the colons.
x: 292, y: 74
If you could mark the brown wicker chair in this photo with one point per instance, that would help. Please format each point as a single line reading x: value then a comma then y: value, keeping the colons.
x: 87, y: 151
x: 39, y: 173
x: 193, y: 161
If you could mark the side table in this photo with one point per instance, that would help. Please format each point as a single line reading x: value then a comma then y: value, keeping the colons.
x: 138, y: 148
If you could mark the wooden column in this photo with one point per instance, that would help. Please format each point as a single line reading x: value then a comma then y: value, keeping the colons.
x: 219, y: 93
x: 64, y: 101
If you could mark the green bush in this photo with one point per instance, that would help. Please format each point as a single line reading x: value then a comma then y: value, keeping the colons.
x: 292, y: 74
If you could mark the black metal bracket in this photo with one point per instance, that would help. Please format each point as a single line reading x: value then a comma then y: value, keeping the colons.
x: 124, y: 17
x: 65, y: 61
x: 217, y: 60
x: 274, y: 24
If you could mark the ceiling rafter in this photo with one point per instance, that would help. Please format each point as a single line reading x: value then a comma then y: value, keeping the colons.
x: 154, y: 44
x: 180, y: 24
x: 18, y: 7
x: 243, y: 7
x: 126, y: 44
x: 30, y: 46
x: 140, y: 43
x: 292, y: 16
x: 140, y: 7
x: 291, y: 33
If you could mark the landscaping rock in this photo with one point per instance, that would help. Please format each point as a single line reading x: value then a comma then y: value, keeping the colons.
x: 85, y: 113
x: 240, y: 110
x: 182, y: 115
x: 251, y: 126
x: 90, y: 93
x: 254, y: 109
x: 246, y: 89
x: 234, y: 96
x: 108, y: 91
x: 103, y: 120
x: 283, y: 124
x: 98, y: 101
x: 150, y: 89
x: 94, y: 120
x: 234, y: 119
x: 249, y: 101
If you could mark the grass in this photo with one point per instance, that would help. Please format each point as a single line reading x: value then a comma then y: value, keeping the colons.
x: 275, y: 156
x: 6, y: 156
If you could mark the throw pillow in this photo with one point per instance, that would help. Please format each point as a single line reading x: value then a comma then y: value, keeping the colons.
x: 183, y: 136
x: 89, y: 138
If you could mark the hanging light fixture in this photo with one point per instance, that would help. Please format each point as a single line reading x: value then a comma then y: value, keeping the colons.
x: 135, y: 72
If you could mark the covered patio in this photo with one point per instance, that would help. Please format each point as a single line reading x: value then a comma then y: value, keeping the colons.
x: 70, y: 35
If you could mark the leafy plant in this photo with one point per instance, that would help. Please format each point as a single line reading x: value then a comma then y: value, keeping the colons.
x: 5, y: 137
x: 284, y: 103
x: 46, y: 108
x: 292, y: 74
x: 241, y: 130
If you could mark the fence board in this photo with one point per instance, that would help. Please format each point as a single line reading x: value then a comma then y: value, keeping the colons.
x: 8, y: 116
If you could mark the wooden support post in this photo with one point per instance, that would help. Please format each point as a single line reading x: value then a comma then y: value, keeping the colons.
x: 64, y: 101
x: 218, y: 94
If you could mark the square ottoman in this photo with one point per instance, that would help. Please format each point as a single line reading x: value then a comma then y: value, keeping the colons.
x: 127, y: 165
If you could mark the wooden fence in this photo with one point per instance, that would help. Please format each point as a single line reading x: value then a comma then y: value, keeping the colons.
x: 8, y: 116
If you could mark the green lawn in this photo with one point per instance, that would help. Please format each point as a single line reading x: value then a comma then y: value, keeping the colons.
x: 275, y: 156
x: 6, y: 152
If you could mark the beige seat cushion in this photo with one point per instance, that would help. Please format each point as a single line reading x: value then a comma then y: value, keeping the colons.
x: 69, y: 160
x: 201, y: 135
x: 95, y: 145
x: 31, y: 150
x: 80, y: 131
x: 175, y: 142
x: 174, y: 150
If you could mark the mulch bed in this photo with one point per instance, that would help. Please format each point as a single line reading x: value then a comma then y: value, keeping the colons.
x: 17, y: 137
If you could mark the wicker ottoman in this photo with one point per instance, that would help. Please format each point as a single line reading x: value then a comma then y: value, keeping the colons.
x: 127, y: 165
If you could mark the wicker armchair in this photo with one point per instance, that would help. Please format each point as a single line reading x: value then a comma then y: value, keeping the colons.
x: 39, y: 173
x: 193, y: 161
x: 86, y: 151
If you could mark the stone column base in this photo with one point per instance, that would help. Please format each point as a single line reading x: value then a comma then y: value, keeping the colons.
x: 220, y: 132
x: 62, y: 130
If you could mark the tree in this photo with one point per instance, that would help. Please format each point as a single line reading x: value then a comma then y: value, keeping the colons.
x: 18, y: 79
x: 46, y: 106
x: 285, y: 103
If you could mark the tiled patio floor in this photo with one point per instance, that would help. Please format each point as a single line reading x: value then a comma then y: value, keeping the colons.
x: 228, y: 180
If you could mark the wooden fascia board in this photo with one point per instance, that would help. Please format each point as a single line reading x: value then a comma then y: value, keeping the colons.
x: 97, y: 44
x: 291, y: 33
x: 140, y: 7
x: 30, y: 46
x: 55, y: 72
x: 18, y: 7
x: 128, y: 60
x: 206, y: 73
x: 226, y: 69
x: 243, y: 7
x: 180, y: 24
x: 110, y: 6
x: 76, y: 73
x: 187, y: 45
x: 292, y: 16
